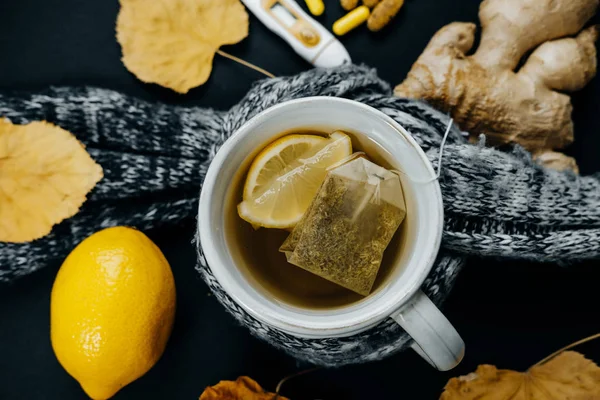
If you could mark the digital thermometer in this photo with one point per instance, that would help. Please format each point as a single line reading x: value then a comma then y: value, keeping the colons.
x: 307, y: 37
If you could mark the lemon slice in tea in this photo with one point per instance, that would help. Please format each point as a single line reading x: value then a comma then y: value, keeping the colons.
x: 278, y: 156
x: 285, y: 177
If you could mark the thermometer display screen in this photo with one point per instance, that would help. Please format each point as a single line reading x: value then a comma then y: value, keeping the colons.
x: 283, y: 15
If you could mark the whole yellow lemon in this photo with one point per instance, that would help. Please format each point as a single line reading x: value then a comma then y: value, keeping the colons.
x: 111, y: 310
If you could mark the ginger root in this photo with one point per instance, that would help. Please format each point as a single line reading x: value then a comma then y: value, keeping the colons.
x: 383, y: 13
x: 483, y: 92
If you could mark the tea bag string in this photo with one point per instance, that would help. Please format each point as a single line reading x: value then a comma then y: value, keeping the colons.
x: 440, y: 158
x: 400, y: 172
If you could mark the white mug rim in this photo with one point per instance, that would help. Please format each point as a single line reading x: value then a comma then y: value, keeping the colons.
x: 338, y: 326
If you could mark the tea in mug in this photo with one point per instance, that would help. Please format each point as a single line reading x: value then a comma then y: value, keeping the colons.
x: 331, y: 215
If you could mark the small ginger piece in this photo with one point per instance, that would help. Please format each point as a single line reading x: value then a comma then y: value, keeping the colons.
x: 485, y: 93
x: 370, y: 3
x: 349, y: 4
x: 555, y: 160
x: 244, y: 388
x: 383, y: 13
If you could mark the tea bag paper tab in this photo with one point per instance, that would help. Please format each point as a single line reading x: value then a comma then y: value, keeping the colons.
x: 349, y: 224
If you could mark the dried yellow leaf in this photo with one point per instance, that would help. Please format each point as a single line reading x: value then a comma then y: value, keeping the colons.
x: 45, y: 174
x: 173, y: 42
x: 244, y: 388
x: 567, y: 376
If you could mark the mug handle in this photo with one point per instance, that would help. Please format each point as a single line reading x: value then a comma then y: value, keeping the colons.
x: 435, y: 339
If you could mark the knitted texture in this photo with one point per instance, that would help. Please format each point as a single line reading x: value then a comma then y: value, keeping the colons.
x: 155, y: 158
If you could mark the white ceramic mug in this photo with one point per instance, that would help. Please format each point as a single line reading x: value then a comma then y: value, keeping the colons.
x: 399, y: 297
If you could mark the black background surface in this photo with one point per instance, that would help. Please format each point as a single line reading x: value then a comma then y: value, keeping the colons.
x: 510, y: 314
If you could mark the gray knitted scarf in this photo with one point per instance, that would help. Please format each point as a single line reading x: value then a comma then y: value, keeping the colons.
x: 155, y: 157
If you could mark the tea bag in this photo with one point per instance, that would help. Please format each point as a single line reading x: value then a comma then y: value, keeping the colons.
x: 349, y: 224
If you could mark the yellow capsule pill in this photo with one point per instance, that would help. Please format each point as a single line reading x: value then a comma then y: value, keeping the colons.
x: 316, y: 7
x: 351, y: 20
